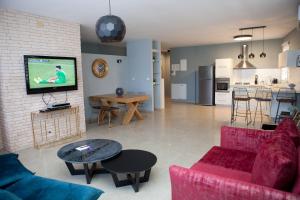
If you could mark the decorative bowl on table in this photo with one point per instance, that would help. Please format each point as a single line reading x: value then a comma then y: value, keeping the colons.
x: 119, y: 92
x: 292, y: 85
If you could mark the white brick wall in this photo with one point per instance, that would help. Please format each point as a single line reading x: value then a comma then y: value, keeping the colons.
x: 26, y: 34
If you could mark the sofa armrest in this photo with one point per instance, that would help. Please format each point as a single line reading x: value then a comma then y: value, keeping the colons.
x: 189, y: 184
x: 243, y: 138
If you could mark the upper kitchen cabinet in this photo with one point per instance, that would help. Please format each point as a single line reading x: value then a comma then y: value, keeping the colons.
x: 289, y: 58
x: 224, y: 67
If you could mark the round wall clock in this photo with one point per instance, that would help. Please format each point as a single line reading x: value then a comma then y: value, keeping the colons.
x: 100, y: 68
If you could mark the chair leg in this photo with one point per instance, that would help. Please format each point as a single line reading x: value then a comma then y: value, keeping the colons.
x: 109, y: 119
x: 246, y: 118
x: 232, y: 112
x: 236, y: 110
x: 276, y: 117
x: 270, y: 107
x: 250, y: 111
x: 255, y: 113
x: 261, y: 112
x: 99, y: 116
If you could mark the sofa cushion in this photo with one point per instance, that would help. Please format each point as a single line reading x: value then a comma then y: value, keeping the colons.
x: 230, y: 158
x: 11, y: 169
x: 276, y: 163
x: 8, y: 155
x: 6, y: 195
x: 288, y: 126
x: 37, y: 188
x: 296, y: 187
x: 222, y: 171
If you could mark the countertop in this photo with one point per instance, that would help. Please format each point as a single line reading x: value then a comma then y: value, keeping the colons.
x: 274, y: 87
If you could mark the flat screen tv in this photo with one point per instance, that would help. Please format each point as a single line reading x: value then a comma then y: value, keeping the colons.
x: 45, y: 74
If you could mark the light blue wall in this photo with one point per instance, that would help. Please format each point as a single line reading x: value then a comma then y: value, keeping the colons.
x: 140, y: 69
x: 207, y: 54
x: 116, y: 77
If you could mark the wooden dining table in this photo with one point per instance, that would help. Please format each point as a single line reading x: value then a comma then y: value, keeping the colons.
x: 131, y: 100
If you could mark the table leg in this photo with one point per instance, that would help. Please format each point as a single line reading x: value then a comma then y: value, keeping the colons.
x: 88, y: 172
x: 137, y: 113
x: 134, y: 181
x: 132, y: 111
x: 145, y: 178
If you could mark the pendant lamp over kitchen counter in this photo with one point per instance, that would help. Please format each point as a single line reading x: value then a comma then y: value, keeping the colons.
x: 251, y: 55
x: 245, y: 37
x: 263, y: 54
x: 110, y: 28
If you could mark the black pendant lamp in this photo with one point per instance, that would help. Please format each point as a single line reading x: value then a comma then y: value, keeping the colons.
x: 251, y: 55
x: 263, y: 54
x: 110, y: 28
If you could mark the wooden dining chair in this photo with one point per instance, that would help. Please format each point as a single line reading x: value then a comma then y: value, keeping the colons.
x: 103, y: 111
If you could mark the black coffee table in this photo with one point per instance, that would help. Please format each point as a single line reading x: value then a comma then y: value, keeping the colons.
x: 93, y: 151
x: 130, y: 162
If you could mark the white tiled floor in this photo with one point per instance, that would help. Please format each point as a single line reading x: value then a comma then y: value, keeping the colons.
x: 179, y: 135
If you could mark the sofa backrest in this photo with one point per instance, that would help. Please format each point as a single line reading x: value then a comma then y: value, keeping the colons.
x: 276, y: 163
x: 296, y: 187
x: 289, y: 126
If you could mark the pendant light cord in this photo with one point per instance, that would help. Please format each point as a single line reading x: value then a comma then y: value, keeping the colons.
x: 109, y: 7
x: 263, y: 39
x: 251, y: 41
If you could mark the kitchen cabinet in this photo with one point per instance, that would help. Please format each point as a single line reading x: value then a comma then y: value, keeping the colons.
x: 223, y: 98
x: 288, y: 58
x: 224, y: 67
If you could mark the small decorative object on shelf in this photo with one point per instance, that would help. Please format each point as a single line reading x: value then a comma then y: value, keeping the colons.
x: 292, y: 85
x: 119, y: 92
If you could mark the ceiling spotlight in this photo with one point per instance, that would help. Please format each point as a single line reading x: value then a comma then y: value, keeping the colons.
x: 242, y: 37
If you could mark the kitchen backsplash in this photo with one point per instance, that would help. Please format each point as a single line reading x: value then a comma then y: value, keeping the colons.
x: 265, y: 76
x: 294, y: 76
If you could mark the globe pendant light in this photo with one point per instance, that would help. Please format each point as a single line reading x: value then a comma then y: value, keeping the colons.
x: 251, y: 55
x: 110, y: 28
x: 263, y: 54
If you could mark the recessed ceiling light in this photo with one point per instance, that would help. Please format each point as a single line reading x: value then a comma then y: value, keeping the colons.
x: 242, y: 37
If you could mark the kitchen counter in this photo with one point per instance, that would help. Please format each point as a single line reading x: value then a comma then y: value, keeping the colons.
x: 275, y: 88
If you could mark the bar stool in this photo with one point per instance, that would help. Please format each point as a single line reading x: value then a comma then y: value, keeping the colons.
x: 286, y: 96
x: 263, y: 95
x: 241, y: 95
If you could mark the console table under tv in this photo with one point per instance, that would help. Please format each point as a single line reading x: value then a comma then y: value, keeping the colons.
x: 54, y: 127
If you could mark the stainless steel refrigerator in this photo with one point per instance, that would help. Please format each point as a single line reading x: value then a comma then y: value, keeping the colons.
x: 206, y: 85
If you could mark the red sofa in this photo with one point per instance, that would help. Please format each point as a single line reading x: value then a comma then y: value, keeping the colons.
x: 249, y: 164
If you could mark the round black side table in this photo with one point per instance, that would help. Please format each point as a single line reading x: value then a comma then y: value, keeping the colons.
x: 130, y: 162
x: 88, y: 152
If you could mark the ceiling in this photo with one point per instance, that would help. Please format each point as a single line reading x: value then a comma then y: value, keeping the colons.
x: 175, y: 23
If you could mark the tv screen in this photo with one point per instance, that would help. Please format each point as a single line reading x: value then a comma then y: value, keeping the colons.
x: 50, y: 74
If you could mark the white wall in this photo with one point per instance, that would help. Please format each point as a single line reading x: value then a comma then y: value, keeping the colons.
x: 117, y: 77
x: 20, y: 34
